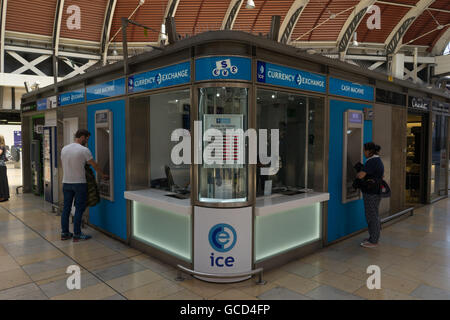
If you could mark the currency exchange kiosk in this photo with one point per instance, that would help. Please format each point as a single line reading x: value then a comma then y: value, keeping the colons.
x: 226, y: 152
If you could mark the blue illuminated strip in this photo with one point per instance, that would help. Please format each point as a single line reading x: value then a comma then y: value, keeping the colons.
x: 165, y: 77
x: 72, y: 97
x: 223, y: 68
x: 350, y: 89
x: 289, y: 77
x: 106, y: 90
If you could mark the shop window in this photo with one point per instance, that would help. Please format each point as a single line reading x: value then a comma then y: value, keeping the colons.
x: 439, y: 156
x: 299, y: 119
x: 152, y: 120
x: 223, y: 109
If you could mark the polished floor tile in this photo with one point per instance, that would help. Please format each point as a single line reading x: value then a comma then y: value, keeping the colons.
x: 13, y: 278
x: 281, y: 293
x: 134, y: 280
x: 119, y: 270
x: 304, y: 270
x: 59, y: 287
x: 431, y: 293
x: 155, y: 290
x: 24, y: 292
x: 297, y: 283
x: 95, y: 292
x: 325, y: 292
x: 413, y: 255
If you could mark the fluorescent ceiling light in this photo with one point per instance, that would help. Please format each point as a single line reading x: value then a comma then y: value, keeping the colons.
x: 250, y: 4
x: 355, y: 42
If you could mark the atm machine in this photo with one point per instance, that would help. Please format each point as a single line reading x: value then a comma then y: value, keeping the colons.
x: 50, y: 160
x: 104, y: 152
x: 352, y: 153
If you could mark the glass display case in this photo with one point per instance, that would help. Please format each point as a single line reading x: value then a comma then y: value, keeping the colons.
x: 223, y: 174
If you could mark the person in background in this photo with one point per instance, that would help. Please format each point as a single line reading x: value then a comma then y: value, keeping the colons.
x: 73, y: 158
x: 4, y: 186
x: 373, y: 169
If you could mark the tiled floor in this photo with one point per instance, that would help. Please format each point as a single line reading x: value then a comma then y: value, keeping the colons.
x: 414, y: 257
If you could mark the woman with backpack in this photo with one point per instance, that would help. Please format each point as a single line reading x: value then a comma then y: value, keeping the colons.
x: 373, y: 170
x: 4, y: 186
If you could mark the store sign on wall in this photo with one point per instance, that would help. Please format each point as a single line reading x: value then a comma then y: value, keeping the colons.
x: 350, y: 89
x: 52, y: 102
x: 223, y: 68
x: 42, y: 104
x: 71, y: 97
x: 29, y: 108
x: 165, y: 77
x: 419, y: 103
x: 289, y: 77
x: 106, y: 90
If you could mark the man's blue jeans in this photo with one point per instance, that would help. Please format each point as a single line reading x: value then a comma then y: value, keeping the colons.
x: 79, y: 192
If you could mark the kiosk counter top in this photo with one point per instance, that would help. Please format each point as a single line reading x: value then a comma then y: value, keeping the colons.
x: 278, y: 202
x: 160, y: 199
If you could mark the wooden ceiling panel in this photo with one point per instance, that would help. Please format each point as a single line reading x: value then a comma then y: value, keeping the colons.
x: 150, y: 14
x: 92, y: 14
x: 423, y: 26
x: 196, y: 16
x: 35, y: 17
x: 390, y: 17
x: 316, y: 13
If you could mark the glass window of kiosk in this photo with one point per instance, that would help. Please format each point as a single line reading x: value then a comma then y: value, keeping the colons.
x: 439, y: 156
x: 223, y: 177
x: 159, y: 115
x: 299, y: 119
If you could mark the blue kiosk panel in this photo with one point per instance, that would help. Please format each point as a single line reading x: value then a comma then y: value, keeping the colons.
x: 108, y: 215
x: 343, y: 218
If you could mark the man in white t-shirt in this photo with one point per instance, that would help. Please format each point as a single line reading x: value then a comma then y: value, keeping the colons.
x: 74, y: 156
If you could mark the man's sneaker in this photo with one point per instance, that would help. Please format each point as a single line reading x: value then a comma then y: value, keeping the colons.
x: 66, y: 235
x: 367, y: 244
x: 81, y: 237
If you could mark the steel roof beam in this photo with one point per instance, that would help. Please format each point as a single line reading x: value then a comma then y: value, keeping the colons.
x: 231, y: 14
x: 106, y: 30
x: 291, y: 19
x: 3, y: 4
x: 441, y: 43
x: 394, y: 39
x: 350, y: 26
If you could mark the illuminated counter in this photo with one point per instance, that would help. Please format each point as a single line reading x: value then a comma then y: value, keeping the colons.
x: 162, y: 222
x: 285, y: 222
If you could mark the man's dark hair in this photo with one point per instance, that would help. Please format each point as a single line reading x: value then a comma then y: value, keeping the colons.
x: 82, y: 132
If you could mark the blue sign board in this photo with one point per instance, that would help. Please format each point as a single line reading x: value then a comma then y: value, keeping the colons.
x: 42, y: 104
x: 350, y: 89
x: 223, y: 68
x: 71, y: 97
x: 165, y: 77
x: 106, y: 90
x: 18, y: 139
x: 289, y: 77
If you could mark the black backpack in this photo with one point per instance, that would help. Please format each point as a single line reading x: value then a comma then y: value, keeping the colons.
x: 93, y: 195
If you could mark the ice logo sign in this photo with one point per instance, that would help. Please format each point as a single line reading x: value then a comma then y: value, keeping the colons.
x: 224, y: 67
x: 158, y: 78
x: 222, y: 237
x: 298, y: 79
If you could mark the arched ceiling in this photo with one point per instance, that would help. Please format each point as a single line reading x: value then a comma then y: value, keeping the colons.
x: 318, y: 24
